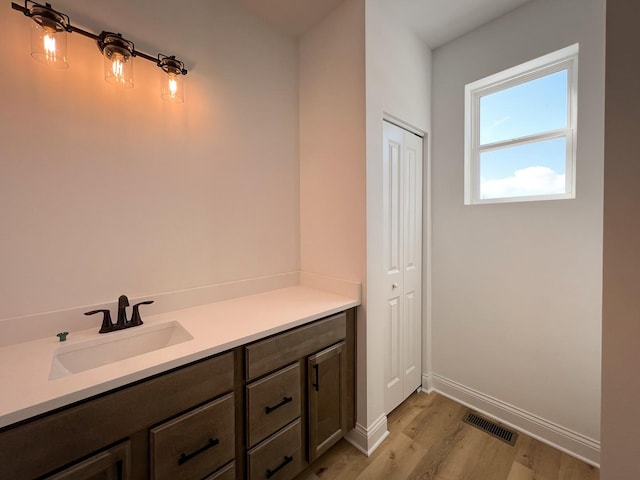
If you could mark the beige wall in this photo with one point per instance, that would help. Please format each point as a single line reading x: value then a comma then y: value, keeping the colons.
x: 332, y: 183
x: 107, y: 192
x: 336, y: 231
x: 517, y: 286
x: 621, y: 302
x: 332, y: 158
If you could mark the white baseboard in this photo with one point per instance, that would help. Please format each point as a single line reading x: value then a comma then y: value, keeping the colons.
x: 557, y: 436
x: 367, y: 440
x: 427, y: 382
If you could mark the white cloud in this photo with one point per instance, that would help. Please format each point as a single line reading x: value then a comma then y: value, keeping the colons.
x: 525, y: 182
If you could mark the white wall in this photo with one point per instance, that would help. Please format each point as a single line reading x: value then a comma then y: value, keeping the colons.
x: 332, y: 160
x: 107, y: 192
x: 333, y: 173
x: 517, y: 286
x: 332, y: 183
x: 398, y: 69
x: 621, y: 303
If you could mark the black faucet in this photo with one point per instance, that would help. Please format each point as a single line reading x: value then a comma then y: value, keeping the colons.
x: 122, y: 322
x: 123, y: 302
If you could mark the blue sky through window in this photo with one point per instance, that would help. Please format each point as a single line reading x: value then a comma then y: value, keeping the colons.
x: 533, y: 107
x: 537, y: 168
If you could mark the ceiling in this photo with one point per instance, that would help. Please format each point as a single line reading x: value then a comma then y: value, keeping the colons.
x: 435, y: 21
x: 293, y: 17
x: 440, y: 21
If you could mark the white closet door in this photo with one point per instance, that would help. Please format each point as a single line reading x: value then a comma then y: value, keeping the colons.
x: 402, y: 224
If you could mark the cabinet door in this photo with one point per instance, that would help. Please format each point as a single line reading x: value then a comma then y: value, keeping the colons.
x: 110, y: 464
x: 327, y: 393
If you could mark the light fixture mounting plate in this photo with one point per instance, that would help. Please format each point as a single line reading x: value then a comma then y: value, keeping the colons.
x: 47, y: 17
x: 169, y: 64
x: 115, y: 40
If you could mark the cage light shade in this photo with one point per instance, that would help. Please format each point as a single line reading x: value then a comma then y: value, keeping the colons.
x: 172, y: 79
x: 118, y: 60
x: 172, y: 87
x: 48, y: 37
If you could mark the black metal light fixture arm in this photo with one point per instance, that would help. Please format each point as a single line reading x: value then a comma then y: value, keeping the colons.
x: 73, y: 29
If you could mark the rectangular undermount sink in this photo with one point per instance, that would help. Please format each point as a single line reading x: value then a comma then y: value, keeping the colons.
x: 116, y: 346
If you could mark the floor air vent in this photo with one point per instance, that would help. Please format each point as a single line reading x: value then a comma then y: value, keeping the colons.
x: 492, y: 428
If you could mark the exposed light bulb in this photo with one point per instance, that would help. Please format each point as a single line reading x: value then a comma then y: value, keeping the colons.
x: 117, y: 68
x: 173, y: 87
x: 48, y: 35
x: 118, y: 59
x: 172, y: 84
x: 50, y: 47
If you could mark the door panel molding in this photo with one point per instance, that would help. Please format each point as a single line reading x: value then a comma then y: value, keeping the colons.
x: 402, y: 233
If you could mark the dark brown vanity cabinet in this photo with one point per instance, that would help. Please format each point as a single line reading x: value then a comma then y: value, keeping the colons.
x: 109, y: 436
x: 299, y: 395
x: 262, y: 411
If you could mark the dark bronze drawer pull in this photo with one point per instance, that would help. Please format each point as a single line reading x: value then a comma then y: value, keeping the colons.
x: 287, y: 460
x: 284, y: 401
x: 185, y: 457
x: 316, y: 385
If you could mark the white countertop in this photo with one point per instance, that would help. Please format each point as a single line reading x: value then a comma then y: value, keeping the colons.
x: 215, y: 327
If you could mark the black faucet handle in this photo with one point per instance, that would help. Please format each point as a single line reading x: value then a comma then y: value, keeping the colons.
x: 107, y: 325
x: 146, y: 302
x: 135, y: 316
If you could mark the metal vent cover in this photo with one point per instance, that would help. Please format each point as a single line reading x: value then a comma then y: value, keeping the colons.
x: 490, y: 427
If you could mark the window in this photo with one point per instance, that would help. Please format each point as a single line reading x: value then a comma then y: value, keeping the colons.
x: 520, y: 131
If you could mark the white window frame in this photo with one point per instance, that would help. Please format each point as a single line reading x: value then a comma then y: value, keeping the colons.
x: 564, y: 59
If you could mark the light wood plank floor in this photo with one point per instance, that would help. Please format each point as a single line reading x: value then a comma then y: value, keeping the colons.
x: 428, y: 441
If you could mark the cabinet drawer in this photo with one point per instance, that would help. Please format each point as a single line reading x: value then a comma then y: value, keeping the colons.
x: 273, y: 353
x: 272, y: 403
x: 114, y: 462
x: 194, y: 444
x: 225, y: 473
x: 279, y: 457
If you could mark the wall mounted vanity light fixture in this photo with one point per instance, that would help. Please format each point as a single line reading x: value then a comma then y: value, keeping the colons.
x: 49, y: 46
x: 118, y: 56
x: 172, y: 81
x: 49, y: 36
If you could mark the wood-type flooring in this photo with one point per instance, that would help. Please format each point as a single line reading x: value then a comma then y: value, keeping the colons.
x: 428, y: 441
